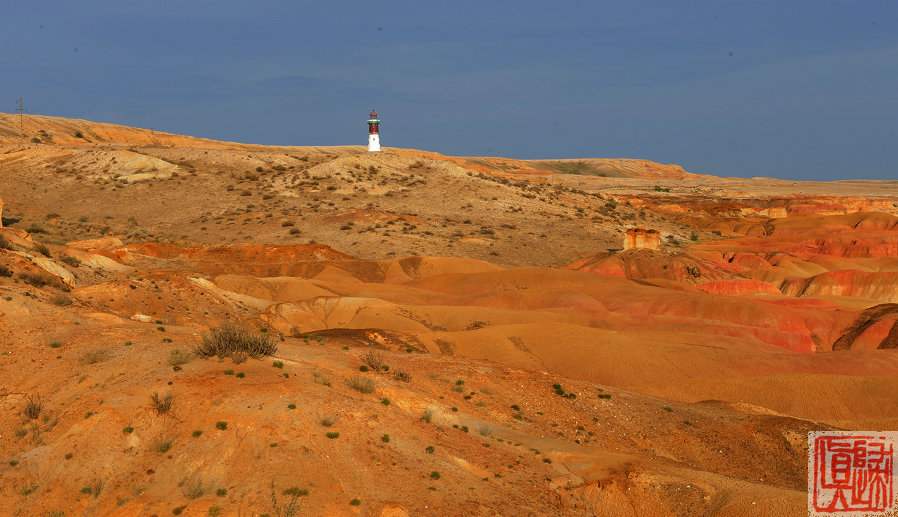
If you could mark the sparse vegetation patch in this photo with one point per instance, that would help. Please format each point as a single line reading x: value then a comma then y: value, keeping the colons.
x: 236, y: 342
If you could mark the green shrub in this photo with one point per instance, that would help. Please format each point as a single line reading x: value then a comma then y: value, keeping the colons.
x: 233, y: 341
x: 355, y: 502
x: 278, y: 364
x: 221, y: 492
x: 162, y: 445
x: 434, y: 475
x: 196, y: 434
x: 332, y: 434
x: 221, y: 425
x: 385, y: 438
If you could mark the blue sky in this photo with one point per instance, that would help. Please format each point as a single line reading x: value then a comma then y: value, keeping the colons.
x: 804, y: 89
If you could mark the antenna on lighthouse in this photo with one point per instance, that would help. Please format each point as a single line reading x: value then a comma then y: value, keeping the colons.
x: 373, y: 135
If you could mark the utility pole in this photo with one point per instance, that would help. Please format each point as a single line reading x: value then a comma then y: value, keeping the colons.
x: 21, y: 110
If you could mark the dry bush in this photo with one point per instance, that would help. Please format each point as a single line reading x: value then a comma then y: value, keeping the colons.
x: 287, y: 509
x: 177, y: 358
x: 192, y: 488
x: 327, y: 421
x: 41, y: 280
x: 70, y: 260
x: 33, y: 407
x: 4, y: 243
x: 161, y: 404
x: 374, y: 360
x: 361, y: 384
x: 235, y: 342
x: 61, y: 300
x: 94, y: 357
x: 402, y: 375
x: 96, y: 486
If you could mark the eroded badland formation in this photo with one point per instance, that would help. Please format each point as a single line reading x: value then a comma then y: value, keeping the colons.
x: 544, y: 358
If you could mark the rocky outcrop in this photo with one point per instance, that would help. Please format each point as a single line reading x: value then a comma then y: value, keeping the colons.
x: 738, y: 287
x: 642, y: 239
x: 878, y: 286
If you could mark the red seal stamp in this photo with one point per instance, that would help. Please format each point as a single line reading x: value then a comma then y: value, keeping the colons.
x: 851, y: 473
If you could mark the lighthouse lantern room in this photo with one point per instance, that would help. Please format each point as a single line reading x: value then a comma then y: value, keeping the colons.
x: 373, y: 135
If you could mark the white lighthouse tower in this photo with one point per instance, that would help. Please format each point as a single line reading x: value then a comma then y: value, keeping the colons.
x: 373, y: 135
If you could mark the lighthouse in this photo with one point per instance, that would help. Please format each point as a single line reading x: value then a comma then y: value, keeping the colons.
x: 373, y: 135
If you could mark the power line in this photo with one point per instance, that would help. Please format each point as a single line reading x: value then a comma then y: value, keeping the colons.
x: 21, y: 110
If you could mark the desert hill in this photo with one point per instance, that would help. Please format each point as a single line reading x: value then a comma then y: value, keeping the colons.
x: 541, y: 359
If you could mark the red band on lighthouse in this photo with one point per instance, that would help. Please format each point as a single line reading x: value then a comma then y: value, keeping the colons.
x: 373, y: 133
